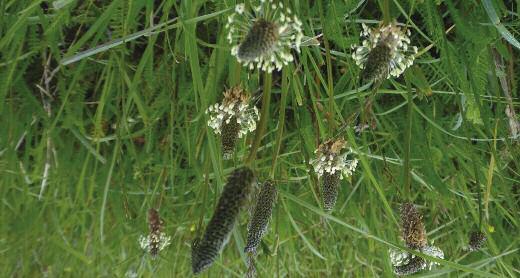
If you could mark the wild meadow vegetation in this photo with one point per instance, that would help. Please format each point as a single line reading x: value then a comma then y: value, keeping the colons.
x: 113, y: 158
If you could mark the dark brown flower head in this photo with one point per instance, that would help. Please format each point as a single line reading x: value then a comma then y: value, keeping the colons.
x: 156, y: 240
x: 260, y: 40
x: 414, y: 233
x: 155, y: 225
x: 261, y: 215
x: 229, y: 137
x: 377, y: 66
x: 233, y: 198
x: 330, y: 189
x: 476, y: 240
x: 415, y: 265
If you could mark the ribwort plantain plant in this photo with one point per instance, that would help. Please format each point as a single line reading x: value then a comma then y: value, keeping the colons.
x: 261, y: 215
x: 156, y: 240
x: 414, y: 236
x: 384, y: 52
x: 264, y: 37
x: 331, y: 164
x: 233, y: 118
x: 232, y: 200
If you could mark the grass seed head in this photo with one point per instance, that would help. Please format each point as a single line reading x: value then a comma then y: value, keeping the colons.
x: 261, y: 215
x: 232, y: 200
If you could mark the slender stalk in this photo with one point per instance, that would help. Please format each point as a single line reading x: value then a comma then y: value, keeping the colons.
x: 386, y: 12
x: 281, y: 123
x: 473, y: 157
x: 330, y: 88
x: 408, y: 138
x: 480, y: 213
x: 264, y: 115
x: 479, y: 191
x: 235, y: 76
x: 330, y: 82
x: 204, y: 198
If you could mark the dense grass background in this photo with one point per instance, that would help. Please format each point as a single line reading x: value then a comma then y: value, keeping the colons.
x: 123, y: 130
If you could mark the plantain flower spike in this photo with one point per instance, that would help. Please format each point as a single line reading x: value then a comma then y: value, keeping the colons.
x: 156, y: 240
x: 384, y: 52
x: 333, y: 161
x: 262, y: 37
x: 476, y: 241
x: 261, y: 215
x: 233, y: 118
x: 234, y: 198
x: 414, y: 235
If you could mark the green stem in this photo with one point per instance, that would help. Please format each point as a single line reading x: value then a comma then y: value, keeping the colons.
x: 235, y: 76
x: 480, y: 213
x: 386, y: 12
x: 408, y: 138
x: 330, y: 88
x: 477, y: 184
x: 264, y: 115
x: 330, y: 82
x: 281, y: 122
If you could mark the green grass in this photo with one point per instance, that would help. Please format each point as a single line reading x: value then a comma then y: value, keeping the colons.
x: 122, y: 127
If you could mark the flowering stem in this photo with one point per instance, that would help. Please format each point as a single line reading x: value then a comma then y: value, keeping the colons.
x: 235, y: 76
x: 408, y: 138
x: 366, y: 108
x: 479, y: 198
x: 479, y: 193
x: 330, y: 83
x: 264, y: 114
x: 204, y: 198
x: 477, y: 181
x: 330, y: 87
x: 281, y: 122
x: 386, y: 12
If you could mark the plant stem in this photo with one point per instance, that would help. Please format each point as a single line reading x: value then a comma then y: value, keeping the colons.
x: 264, y: 115
x: 408, y: 138
x: 281, y: 122
x: 386, y: 12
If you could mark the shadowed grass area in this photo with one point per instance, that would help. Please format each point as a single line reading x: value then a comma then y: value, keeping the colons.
x: 102, y: 118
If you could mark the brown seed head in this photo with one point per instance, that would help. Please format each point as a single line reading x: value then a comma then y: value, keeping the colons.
x: 476, y: 240
x: 414, y: 233
x: 415, y: 265
x: 235, y: 94
x: 155, y: 226
x: 332, y: 147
